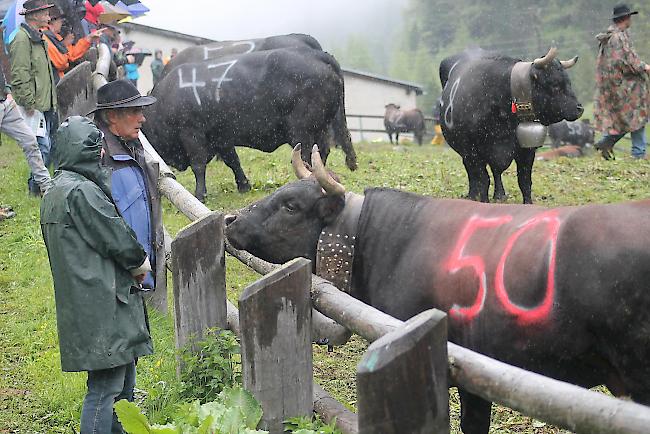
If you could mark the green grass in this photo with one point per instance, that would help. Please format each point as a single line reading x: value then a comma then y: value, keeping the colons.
x: 35, y: 397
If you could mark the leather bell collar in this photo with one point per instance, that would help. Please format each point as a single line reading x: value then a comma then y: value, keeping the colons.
x: 336, y: 245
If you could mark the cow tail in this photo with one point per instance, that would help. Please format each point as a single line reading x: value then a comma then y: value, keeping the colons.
x: 342, y: 134
x: 339, y: 124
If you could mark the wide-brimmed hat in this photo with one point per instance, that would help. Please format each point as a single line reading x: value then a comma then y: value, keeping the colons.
x: 31, y: 6
x: 621, y: 11
x: 120, y: 94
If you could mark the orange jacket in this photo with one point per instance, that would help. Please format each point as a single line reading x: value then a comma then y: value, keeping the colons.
x: 61, y: 61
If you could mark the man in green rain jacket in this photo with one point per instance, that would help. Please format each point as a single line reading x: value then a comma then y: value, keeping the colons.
x: 97, y: 264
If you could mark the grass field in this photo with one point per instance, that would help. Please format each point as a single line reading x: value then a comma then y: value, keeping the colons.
x: 35, y: 397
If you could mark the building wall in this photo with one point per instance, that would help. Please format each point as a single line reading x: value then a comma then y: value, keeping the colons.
x: 152, y: 41
x: 365, y: 96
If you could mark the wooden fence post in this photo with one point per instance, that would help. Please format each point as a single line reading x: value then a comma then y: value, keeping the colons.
x: 275, y: 321
x: 402, y: 379
x: 198, y: 269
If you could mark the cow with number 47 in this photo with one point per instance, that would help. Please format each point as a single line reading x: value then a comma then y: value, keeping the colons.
x: 258, y: 99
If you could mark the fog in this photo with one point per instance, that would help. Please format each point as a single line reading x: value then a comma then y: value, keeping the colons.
x: 331, y: 22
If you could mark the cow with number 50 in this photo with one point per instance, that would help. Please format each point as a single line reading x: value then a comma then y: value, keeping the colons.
x: 539, y: 288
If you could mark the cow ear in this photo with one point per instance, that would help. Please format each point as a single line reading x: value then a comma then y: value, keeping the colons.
x: 329, y: 207
x: 535, y: 75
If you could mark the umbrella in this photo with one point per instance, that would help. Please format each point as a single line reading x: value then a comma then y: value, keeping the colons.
x: 112, y: 13
x: 137, y: 9
x: 12, y: 20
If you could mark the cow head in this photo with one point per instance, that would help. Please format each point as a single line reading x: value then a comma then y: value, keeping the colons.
x: 553, y: 97
x: 287, y: 224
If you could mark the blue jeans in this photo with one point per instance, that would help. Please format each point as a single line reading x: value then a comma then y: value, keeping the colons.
x: 105, y: 387
x: 638, y: 142
x: 46, y: 146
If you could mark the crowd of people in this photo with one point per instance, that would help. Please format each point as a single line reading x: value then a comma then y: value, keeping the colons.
x: 100, y: 215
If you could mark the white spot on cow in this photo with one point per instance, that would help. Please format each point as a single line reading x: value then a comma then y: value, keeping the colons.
x: 193, y: 84
x: 449, y: 111
x: 219, y: 80
x: 207, y: 50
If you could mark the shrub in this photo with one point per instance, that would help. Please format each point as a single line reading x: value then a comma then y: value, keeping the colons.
x: 210, y: 366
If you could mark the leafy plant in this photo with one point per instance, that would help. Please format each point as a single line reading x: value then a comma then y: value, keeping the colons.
x: 210, y: 366
x: 235, y: 411
x: 305, y: 425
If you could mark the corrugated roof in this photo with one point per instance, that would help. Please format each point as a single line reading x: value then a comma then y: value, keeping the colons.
x: 164, y: 32
x: 416, y: 87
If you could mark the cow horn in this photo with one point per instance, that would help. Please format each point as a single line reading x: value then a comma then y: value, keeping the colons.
x: 298, y: 165
x: 566, y: 64
x: 542, y: 62
x: 325, y: 180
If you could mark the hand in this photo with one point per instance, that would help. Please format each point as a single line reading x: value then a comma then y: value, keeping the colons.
x: 10, y: 97
x: 140, y: 278
x: 647, y: 68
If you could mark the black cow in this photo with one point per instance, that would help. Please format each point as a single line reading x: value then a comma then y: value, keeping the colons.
x: 261, y: 100
x: 398, y: 121
x: 579, y: 133
x: 507, y: 275
x: 218, y: 49
x: 480, y: 116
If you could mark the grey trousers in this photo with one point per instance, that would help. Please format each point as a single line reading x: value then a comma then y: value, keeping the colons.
x: 13, y: 125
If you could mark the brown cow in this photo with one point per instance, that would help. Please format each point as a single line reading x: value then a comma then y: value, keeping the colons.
x: 570, y: 151
x: 401, y: 121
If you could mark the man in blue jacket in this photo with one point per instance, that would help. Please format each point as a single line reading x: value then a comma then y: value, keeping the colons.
x: 134, y: 181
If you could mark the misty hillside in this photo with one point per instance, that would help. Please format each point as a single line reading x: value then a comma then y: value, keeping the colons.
x: 411, y: 43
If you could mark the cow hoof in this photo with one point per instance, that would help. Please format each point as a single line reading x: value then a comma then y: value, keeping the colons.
x: 500, y: 198
x: 244, y: 187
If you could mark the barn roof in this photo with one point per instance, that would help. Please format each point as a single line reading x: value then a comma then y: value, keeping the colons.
x: 411, y: 86
x: 164, y: 32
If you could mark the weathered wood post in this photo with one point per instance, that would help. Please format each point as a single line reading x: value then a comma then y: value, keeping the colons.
x: 402, y: 379
x: 198, y: 268
x: 275, y: 320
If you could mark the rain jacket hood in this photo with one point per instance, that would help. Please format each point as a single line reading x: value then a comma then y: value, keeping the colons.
x: 79, y: 145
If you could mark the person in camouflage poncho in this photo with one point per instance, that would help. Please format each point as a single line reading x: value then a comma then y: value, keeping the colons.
x: 622, y: 100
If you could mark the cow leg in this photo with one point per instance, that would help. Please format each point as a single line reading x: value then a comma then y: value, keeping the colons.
x: 196, y: 148
x: 525, y: 157
x: 229, y: 156
x: 390, y: 137
x: 479, y: 179
x: 474, y: 413
x: 499, y: 191
x: 397, y: 137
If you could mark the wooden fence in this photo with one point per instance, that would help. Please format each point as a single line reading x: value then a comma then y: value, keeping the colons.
x: 403, y: 378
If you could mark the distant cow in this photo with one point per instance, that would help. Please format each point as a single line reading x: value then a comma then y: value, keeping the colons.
x: 480, y: 115
x: 260, y: 100
x: 402, y: 121
x: 579, y: 133
x: 570, y: 151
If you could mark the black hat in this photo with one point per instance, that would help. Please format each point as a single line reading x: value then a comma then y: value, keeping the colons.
x: 120, y: 94
x: 621, y: 11
x: 31, y: 6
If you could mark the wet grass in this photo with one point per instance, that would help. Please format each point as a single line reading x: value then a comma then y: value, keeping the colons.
x: 35, y: 397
